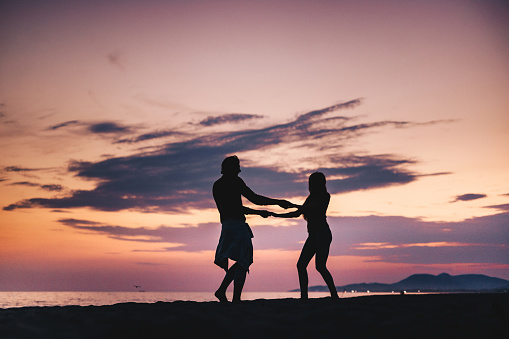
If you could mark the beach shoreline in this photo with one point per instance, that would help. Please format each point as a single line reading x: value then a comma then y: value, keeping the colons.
x: 430, y: 315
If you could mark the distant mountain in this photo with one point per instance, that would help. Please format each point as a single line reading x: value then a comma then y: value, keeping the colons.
x: 429, y: 283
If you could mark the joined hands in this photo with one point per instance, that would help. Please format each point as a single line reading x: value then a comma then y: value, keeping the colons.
x: 282, y: 203
x: 266, y: 214
x: 286, y: 204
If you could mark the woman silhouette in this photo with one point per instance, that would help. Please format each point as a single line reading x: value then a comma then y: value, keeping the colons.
x: 319, y: 234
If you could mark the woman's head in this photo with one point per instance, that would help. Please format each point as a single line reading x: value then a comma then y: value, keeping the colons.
x: 317, y: 183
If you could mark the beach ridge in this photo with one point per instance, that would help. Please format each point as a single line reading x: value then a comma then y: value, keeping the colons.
x: 439, y: 315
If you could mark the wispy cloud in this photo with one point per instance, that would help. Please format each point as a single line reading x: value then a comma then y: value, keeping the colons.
x: 152, y: 135
x: 108, y: 127
x: 102, y: 127
x: 469, y: 197
x: 63, y: 124
x: 228, y: 118
x: 52, y: 187
x: 501, y: 207
x: 24, y: 183
x: 20, y: 169
x: 178, y: 174
x: 188, y: 239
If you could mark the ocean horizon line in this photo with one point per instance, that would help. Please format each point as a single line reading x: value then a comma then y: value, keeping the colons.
x: 16, y: 299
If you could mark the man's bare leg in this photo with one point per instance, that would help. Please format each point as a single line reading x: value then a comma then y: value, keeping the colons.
x: 227, y: 280
x: 238, y: 283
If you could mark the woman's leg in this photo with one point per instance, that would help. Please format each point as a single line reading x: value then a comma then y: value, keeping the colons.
x: 322, y: 254
x: 308, y: 250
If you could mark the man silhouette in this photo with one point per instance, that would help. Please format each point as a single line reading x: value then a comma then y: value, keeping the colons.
x: 235, y: 240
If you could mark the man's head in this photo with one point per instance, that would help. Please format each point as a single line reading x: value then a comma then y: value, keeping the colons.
x: 230, y: 166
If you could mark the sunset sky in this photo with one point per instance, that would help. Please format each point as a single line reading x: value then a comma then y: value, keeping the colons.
x: 115, y: 117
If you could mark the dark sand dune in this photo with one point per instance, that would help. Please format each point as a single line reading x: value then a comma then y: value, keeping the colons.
x: 404, y: 316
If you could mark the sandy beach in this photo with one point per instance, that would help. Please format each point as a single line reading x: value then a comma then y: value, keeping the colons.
x: 440, y: 315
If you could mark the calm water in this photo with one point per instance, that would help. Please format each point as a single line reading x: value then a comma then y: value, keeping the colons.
x: 24, y: 299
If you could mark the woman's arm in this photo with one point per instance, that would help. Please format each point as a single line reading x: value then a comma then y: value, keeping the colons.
x: 293, y: 214
x: 317, y: 204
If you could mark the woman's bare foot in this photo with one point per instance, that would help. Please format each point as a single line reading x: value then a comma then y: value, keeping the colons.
x: 221, y: 296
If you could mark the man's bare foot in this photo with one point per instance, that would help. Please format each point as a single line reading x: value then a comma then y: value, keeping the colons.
x: 221, y: 296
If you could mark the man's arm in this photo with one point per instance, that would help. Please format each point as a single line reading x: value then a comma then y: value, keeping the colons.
x: 261, y: 213
x: 261, y: 200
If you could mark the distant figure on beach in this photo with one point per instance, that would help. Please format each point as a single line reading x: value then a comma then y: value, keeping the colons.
x: 235, y: 240
x: 319, y: 234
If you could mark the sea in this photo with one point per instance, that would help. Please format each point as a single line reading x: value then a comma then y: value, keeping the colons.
x: 49, y: 299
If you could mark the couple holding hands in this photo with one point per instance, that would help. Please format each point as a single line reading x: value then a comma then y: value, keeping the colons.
x: 235, y: 240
